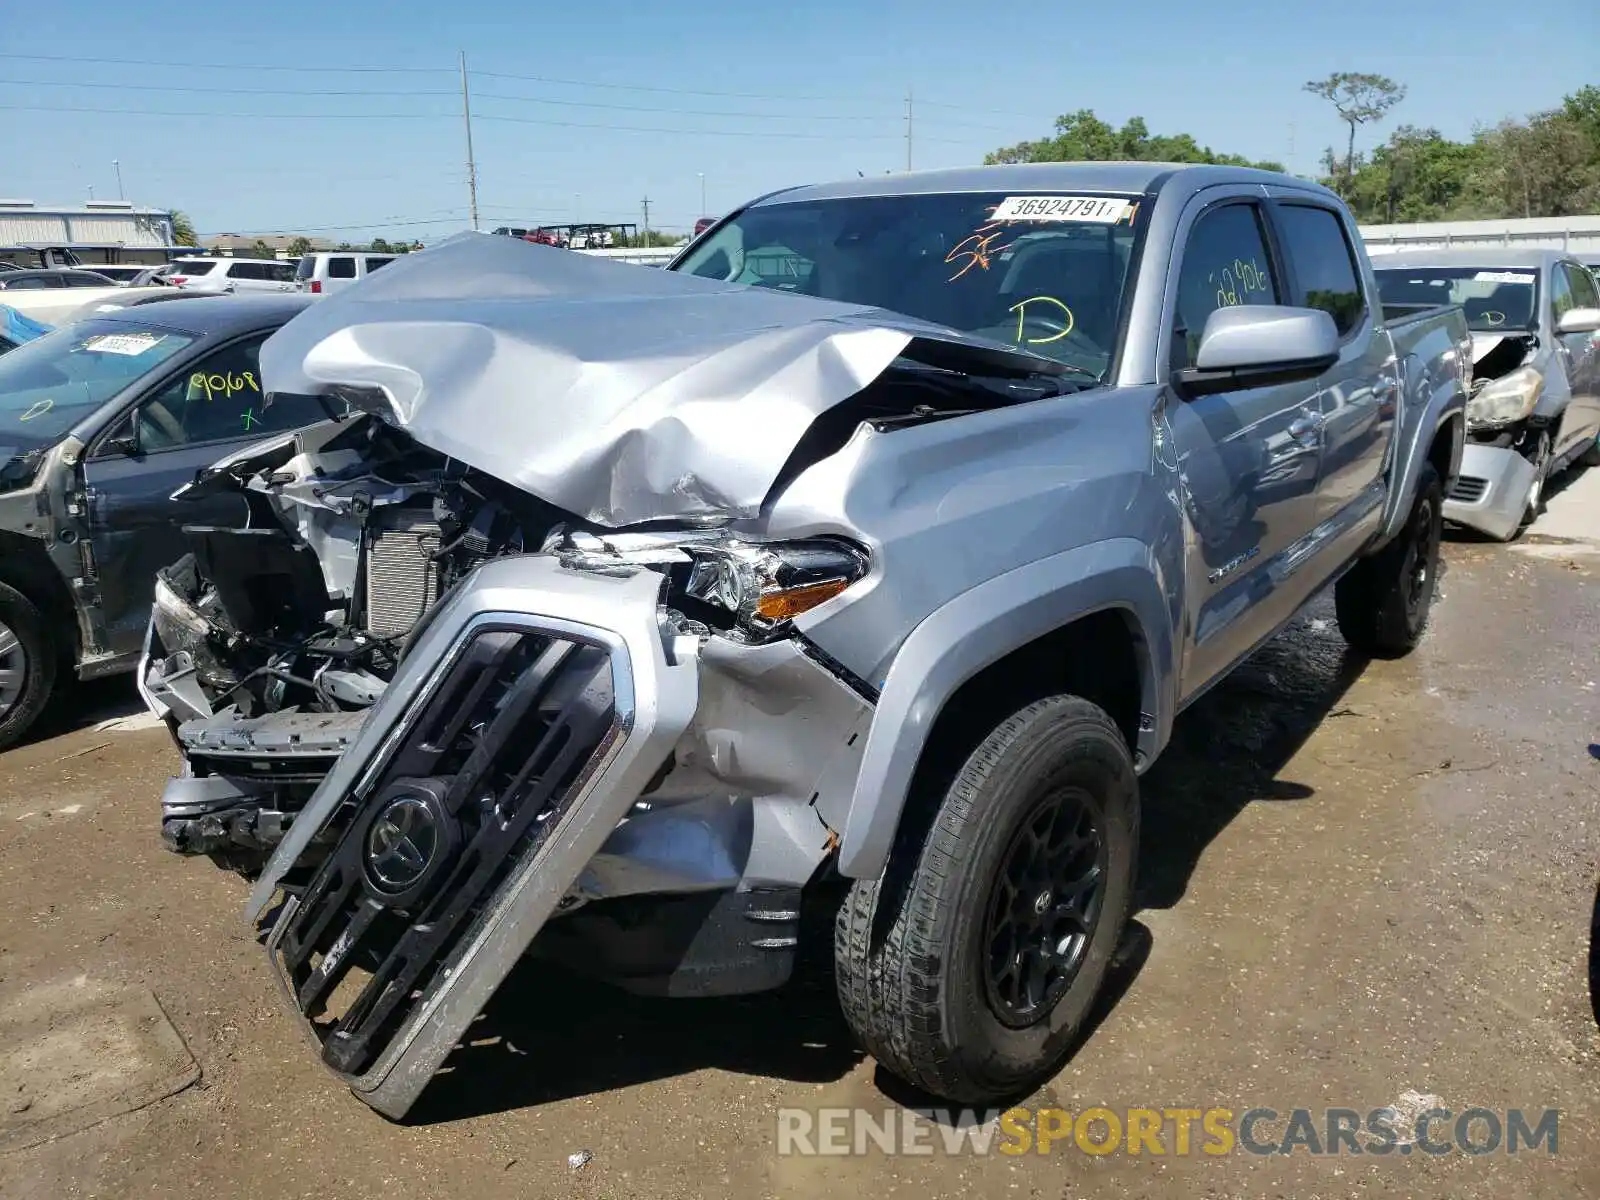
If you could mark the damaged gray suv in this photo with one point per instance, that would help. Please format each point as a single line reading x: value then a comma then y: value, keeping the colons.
x: 868, y: 551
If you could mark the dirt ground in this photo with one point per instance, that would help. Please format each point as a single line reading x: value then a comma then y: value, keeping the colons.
x: 1361, y: 882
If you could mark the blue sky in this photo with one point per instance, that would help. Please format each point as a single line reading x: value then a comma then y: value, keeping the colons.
x: 620, y: 101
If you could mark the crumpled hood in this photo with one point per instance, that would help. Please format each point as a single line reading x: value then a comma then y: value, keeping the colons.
x: 617, y: 392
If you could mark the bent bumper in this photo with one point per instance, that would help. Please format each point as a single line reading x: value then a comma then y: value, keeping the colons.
x: 532, y: 713
x: 1491, y: 492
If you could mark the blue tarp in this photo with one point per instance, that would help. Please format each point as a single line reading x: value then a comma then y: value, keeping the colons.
x: 18, y: 328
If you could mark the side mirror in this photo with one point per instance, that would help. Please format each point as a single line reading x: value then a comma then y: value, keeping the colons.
x: 1252, y: 345
x: 1579, y: 320
x: 125, y: 444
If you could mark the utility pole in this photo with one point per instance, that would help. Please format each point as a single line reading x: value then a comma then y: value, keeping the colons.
x: 908, y: 129
x: 472, y: 163
x: 117, y: 167
x: 647, y: 222
x: 703, y: 212
x: 91, y: 192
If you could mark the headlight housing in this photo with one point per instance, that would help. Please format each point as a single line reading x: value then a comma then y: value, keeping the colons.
x: 1506, y: 400
x: 766, y: 585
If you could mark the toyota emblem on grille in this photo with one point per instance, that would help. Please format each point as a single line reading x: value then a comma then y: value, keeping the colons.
x: 401, y: 843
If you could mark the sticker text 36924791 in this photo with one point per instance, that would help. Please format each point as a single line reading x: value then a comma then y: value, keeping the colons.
x: 1099, y: 210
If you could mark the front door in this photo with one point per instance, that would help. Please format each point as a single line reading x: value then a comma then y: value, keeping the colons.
x: 187, y: 421
x: 1249, y: 459
x: 1578, y: 354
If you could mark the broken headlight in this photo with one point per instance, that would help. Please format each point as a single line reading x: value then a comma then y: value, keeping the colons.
x: 1506, y: 400
x: 767, y: 585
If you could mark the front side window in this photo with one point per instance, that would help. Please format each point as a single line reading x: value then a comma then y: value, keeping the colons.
x: 1562, y: 301
x: 1045, y: 274
x: 1581, y: 285
x: 1225, y: 264
x: 219, y: 398
x: 341, y: 268
x: 1495, y: 299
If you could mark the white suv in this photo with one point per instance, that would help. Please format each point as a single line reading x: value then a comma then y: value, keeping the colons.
x: 232, y: 274
x: 327, y: 271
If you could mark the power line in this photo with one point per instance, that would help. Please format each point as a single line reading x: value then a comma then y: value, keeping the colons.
x: 215, y: 91
x: 376, y: 70
x: 685, y: 112
x: 199, y: 62
x: 316, y: 116
x: 435, y: 116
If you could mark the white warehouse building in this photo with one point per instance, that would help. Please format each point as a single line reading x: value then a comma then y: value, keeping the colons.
x: 101, y: 231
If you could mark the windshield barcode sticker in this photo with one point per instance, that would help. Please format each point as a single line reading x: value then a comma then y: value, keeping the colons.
x: 1502, y: 277
x: 1099, y: 209
x: 130, y: 344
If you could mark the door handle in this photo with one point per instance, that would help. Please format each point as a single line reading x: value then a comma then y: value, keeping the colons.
x: 1305, y: 429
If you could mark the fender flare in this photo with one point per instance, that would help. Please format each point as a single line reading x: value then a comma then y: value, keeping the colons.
x: 1416, y: 438
x: 980, y: 627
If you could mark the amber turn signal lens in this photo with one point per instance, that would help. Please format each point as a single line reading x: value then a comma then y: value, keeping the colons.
x: 791, y: 602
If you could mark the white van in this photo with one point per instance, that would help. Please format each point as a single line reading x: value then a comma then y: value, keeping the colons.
x: 329, y: 270
x: 232, y: 275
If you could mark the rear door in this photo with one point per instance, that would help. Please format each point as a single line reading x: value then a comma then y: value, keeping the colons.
x: 1250, y: 458
x: 1358, y: 393
x: 186, y: 420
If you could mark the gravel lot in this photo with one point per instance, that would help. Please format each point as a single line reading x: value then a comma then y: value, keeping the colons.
x: 1360, y: 881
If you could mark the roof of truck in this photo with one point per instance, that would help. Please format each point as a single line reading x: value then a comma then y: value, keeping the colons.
x: 1128, y: 178
x: 1528, y: 257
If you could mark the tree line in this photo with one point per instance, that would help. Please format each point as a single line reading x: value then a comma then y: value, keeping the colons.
x: 1544, y: 165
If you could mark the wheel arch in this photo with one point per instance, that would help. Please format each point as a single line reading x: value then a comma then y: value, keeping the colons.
x: 26, y: 566
x: 1094, y: 621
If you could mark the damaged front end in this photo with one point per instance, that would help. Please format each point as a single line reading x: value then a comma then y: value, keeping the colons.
x: 1508, y: 440
x: 269, y: 643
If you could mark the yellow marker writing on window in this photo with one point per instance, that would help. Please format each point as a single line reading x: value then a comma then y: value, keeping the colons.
x: 225, y: 385
x: 1021, y: 309
x: 38, y: 410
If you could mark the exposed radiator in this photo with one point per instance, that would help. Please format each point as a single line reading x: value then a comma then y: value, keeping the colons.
x: 401, y: 581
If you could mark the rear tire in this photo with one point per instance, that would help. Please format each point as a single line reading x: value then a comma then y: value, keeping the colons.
x: 969, y: 968
x: 28, y: 663
x: 1383, y: 602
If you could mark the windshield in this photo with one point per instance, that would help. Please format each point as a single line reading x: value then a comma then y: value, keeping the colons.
x: 1495, y: 299
x: 1046, y: 273
x: 50, y: 384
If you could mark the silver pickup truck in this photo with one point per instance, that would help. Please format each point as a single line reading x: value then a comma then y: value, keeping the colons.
x: 869, y: 552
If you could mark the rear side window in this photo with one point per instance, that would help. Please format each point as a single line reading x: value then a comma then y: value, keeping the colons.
x: 341, y: 268
x: 241, y: 270
x: 1225, y: 263
x: 374, y: 263
x: 1324, y: 268
x: 307, y: 267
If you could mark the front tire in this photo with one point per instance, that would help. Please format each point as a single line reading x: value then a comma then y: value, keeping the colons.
x: 969, y: 968
x: 27, y: 665
x: 1383, y: 602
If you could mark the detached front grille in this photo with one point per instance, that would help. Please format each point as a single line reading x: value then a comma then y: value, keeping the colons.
x: 402, y: 578
x: 480, y: 780
x: 1468, y: 489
